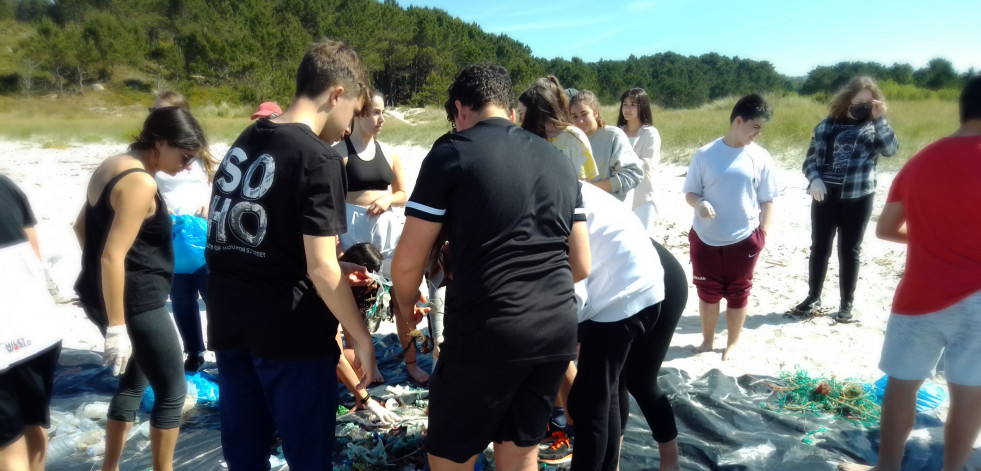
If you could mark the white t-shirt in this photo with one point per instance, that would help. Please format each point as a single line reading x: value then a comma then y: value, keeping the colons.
x: 734, y: 180
x: 647, y: 146
x: 626, y: 274
x: 27, y: 316
x: 187, y: 191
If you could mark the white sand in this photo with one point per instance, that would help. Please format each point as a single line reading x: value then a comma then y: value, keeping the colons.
x: 54, y: 181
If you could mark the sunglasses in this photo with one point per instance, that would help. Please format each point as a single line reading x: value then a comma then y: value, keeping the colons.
x: 187, y: 158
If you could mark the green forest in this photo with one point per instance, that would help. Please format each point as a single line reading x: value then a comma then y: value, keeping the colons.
x: 246, y: 51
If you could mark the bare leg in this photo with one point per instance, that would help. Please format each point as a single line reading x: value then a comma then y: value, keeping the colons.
x: 735, y: 318
x: 37, y: 446
x: 709, y: 314
x: 417, y: 374
x: 562, y: 400
x: 510, y: 457
x: 963, y: 424
x: 14, y: 457
x: 442, y: 464
x: 116, y: 433
x: 378, y: 378
x: 163, y: 441
x: 898, y: 417
x: 669, y: 455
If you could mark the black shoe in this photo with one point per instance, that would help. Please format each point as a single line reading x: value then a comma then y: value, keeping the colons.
x: 193, y: 363
x: 806, y: 308
x: 555, y: 449
x: 845, y: 313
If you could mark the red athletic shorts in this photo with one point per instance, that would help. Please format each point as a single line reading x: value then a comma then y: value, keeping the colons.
x: 726, y: 271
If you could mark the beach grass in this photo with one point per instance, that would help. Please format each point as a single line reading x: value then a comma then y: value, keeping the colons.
x: 116, y: 117
x: 916, y: 123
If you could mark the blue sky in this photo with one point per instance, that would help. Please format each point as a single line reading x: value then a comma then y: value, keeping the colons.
x: 794, y: 35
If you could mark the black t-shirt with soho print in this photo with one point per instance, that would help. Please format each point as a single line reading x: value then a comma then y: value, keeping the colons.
x: 507, y: 199
x: 277, y: 183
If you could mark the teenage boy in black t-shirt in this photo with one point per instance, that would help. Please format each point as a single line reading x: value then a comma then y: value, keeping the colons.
x: 276, y: 290
x: 508, y: 199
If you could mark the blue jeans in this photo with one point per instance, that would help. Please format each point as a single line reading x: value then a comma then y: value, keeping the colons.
x: 260, y: 396
x: 184, y: 300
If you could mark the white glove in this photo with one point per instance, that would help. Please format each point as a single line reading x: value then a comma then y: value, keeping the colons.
x: 384, y: 415
x: 817, y: 190
x: 705, y: 209
x: 118, y: 349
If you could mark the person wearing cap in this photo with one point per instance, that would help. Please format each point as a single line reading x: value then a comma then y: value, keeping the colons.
x: 267, y: 109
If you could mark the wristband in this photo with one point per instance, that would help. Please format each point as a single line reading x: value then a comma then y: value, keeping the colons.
x: 364, y: 400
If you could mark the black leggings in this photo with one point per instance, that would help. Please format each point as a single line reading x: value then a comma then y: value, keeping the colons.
x: 848, y: 218
x: 157, y: 360
x: 598, y: 401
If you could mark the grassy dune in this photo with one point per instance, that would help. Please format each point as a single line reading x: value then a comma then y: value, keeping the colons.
x: 109, y: 117
x: 917, y: 123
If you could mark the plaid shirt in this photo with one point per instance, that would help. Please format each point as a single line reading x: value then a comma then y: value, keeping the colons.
x: 876, y: 137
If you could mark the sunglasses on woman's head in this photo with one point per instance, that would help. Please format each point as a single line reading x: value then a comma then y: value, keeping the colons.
x: 187, y: 158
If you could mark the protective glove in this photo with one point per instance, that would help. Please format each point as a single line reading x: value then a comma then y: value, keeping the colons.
x: 705, y: 209
x: 817, y: 190
x: 118, y: 349
x: 384, y: 415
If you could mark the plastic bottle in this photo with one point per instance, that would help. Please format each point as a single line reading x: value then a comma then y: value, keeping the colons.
x: 86, y: 425
x: 145, y: 429
x: 87, y: 439
x: 93, y: 411
x: 97, y: 449
x: 62, y: 447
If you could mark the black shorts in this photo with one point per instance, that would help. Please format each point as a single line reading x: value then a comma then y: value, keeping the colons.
x: 473, y: 405
x: 25, y: 394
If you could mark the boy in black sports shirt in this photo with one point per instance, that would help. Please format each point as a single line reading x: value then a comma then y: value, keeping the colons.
x: 276, y: 290
x: 508, y: 200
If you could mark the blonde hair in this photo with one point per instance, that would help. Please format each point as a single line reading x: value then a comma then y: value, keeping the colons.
x: 588, y: 99
x: 842, y: 101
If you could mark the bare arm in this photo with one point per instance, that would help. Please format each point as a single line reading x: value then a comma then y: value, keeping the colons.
x: 32, y: 239
x: 892, y: 223
x: 132, y: 201
x: 329, y: 280
x: 346, y: 373
x: 580, y: 256
x: 692, y: 199
x: 605, y: 185
x: 766, y: 216
x: 79, y: 227
x: 399, y: 196
x: 418, y: 237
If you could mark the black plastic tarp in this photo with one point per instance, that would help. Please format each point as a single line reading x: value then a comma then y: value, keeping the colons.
x: 722, y: 425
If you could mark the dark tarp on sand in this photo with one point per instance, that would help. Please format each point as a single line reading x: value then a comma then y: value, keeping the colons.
x: 720, y: 421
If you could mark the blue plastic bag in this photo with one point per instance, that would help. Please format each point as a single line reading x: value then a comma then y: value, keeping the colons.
x: 929, y: 397
x: 204, y: 385
x: 190, y: 237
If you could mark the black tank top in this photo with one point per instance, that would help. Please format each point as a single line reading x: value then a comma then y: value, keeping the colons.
x: 149, y: 262
x: 374, y: 174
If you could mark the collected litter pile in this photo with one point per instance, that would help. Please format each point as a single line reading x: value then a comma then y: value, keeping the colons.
x: 83, y: 433
x: 851, y: 400
x: 364, y: 445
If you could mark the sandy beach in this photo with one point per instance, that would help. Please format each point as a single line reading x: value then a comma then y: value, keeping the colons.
x: 773, y: 341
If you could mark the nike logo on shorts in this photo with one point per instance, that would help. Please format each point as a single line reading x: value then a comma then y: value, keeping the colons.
x: 753, y: 254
